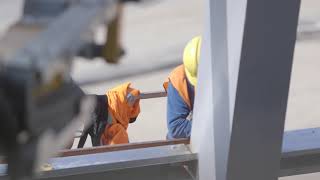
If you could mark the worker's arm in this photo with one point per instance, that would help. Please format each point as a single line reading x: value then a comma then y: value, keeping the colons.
x: 177, y: 112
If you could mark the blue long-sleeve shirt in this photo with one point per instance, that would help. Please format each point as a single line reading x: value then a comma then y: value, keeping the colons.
x: 177, y: 112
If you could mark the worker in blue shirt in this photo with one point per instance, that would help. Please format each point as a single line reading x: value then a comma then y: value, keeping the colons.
x: 180, y: 88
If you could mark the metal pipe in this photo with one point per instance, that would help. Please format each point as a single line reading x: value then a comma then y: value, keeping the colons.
x: 150, y: 95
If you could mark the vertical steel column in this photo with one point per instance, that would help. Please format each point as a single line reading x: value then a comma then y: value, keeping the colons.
x: 211, y: 123
x: 262, y: 90
x: 220, y: 80
x: 236, y: 12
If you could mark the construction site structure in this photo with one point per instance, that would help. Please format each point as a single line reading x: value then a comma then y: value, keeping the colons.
x: 240, y: 106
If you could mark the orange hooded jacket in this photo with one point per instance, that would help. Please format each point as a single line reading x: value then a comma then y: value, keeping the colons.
x: 124, y: 104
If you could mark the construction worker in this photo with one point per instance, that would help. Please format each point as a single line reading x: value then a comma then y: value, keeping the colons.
x: 113, y: 113
x: 180, y: 88
x: 123, y: 108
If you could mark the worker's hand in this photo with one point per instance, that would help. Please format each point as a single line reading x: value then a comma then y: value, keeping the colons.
x: 189, y: 117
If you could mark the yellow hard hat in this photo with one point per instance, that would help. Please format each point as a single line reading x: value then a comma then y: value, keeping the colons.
x: 191, y: 58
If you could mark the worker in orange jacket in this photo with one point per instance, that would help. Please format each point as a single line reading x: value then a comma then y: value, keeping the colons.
x: 180, y: 88
x: 123, y: 108
x: 113, y: 113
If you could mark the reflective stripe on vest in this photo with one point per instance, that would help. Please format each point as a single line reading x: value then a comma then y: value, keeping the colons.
x: 179, y: 81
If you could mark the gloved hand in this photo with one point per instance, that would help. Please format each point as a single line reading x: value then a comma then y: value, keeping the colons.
x: 131, y: 99
x: 189, y: 117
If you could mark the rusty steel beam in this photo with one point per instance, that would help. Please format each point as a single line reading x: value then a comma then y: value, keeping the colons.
x: 119, y: 147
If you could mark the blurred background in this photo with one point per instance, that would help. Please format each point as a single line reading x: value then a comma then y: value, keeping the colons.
x: 154, y: 35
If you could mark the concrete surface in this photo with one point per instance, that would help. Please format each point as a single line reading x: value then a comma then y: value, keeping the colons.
x: 304, y: 96
x: 154, y: 35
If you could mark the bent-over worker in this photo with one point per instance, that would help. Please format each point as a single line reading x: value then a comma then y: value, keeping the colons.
x: 112, y: 115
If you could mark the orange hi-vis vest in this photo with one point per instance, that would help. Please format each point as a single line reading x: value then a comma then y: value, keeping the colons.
x: 179, y: 81
x: 124, y: 104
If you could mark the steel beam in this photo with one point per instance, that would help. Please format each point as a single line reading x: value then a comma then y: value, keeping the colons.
x: 300, y: 155
x: 120, y: 147
x: 211, y: 121
x: 150, y: 95
x: 262, y: 91
x: 166, y: 162
x: 300, y: 152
